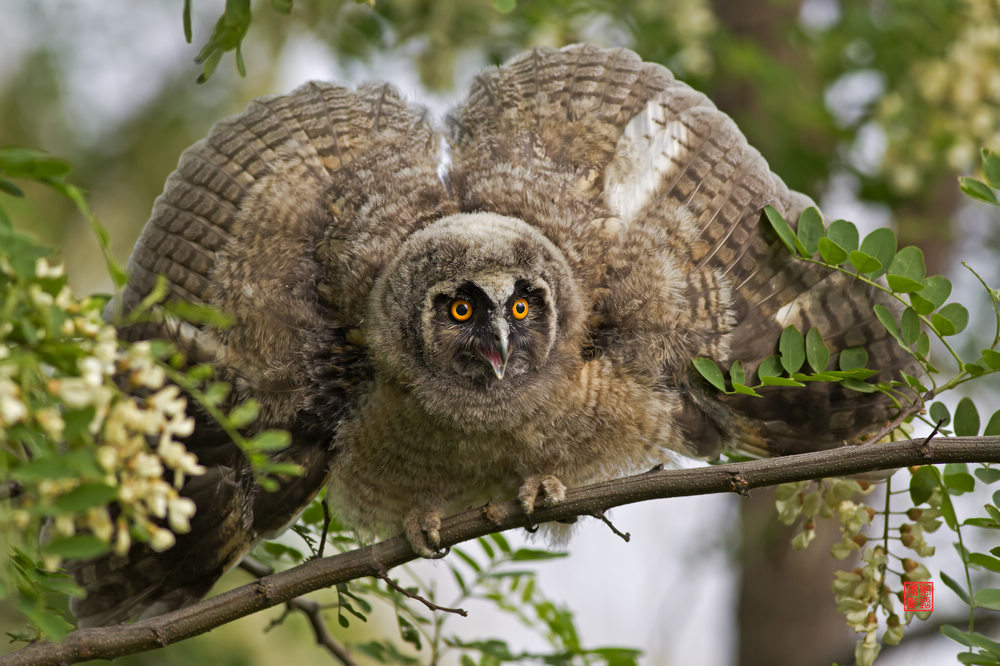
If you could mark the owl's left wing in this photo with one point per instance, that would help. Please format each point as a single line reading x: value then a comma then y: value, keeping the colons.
x: 656, y: 198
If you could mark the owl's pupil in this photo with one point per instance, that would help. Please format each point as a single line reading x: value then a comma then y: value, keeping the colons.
x: 461, y: 310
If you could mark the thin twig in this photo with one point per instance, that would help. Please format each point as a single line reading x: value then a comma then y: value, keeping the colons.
x: 375, y: 560
x: 902, y: 416
x: 924, y: 445
x: 312, y: 610
x: 626, y: 536
x: 384, y: 577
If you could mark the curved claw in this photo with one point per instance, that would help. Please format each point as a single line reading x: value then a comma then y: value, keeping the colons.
x: 548, y: 487
x: 422, y: 526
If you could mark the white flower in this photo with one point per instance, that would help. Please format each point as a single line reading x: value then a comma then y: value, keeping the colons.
x: 100, y: 523
x: 169, y: 401
x: 44, y: 270
x: 12, y: 410
x: 146, y: 464
x: 75, y: 392
x: 107, y: 458
x: 122, y: 539
x: 64, y: 526
x: 161, y: 539
x: 51, y: 421
x: 179, y: 512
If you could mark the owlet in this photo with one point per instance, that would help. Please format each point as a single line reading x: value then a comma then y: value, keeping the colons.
x: 502, y: 307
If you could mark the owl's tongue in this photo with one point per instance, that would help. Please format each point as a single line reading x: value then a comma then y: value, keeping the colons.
x: 493, y: 357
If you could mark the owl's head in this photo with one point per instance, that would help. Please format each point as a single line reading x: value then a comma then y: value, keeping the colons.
x: 476, y: 315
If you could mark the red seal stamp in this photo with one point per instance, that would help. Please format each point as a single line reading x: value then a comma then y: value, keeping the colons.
x: 918, y: 596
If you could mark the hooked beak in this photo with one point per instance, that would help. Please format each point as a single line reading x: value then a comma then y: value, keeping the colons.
x: 496, y: 353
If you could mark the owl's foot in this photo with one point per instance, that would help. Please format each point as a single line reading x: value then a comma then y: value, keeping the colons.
x: 545, y: 486
x: 422, y: 526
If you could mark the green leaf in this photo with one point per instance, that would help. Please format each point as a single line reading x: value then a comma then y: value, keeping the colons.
x: 779, y: 381
x: 844, y: 234
x: 810, y: 229
x: 936, y: 291
x: 186, y: 19
x: 957, y: 479
x: 282, y: 6
x: 769, y: 367
x: 244, y: 414
x: 992, y: 359
x: 906, y: 272
x: 857, y: 385
x: 951, y: 319
x: 199, y: 314
x: 909, y: 326
x: 737, y: 374
x: 853, y: 357
x: 966, y: 418
x: 989, y: 598
x: 991, y: 167
x: 817, y: 352
x: 832, y: 254
x: 86, y: 496
x: 710, y: 371
x: 30, y: 164
x: 407, y: 631
x: 10, y: 188
x: 792, y: 347
x: 956, y: 587
x: 985, y: 523
x: 923, y: 483
x: 885, y: 316
x: 939, y: 414
x: 903, y: 285
x: 977, y: 189
x: 535, y: 555
x: 501, y: 542
x: 988, y: 474
x: 745, y: 390
x: 880, y: 244
x: 864, y: 263
x: 985, y: 561
x: 784, y: 231
x: 975, y: 369
x: 923, y: 346
x: 271, y: 440
x: 49, y: 623
x: 487, y: 548
x: 913, y: 383
x: 78, y: 547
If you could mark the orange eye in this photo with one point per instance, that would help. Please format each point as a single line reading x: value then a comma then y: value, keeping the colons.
x: 461, y: 309
x: 520, y: 308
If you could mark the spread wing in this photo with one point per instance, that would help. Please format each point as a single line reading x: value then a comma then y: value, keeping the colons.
x: 656, y: 196
x: 280, y: 218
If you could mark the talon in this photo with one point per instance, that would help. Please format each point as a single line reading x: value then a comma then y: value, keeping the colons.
x: 548, y: 487
x: 422, y: 527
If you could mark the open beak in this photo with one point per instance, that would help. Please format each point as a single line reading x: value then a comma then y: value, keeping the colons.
x: 495, y: 352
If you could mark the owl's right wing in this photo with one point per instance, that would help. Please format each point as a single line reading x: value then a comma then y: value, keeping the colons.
x: 281, y: 218
x: 659, y: 208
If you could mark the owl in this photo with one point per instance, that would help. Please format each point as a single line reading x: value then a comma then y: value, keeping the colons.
x: 502, y: 305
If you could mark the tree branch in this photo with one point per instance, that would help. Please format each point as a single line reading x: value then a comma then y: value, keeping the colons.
x: 313, y: 612
x: 374, y: 560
